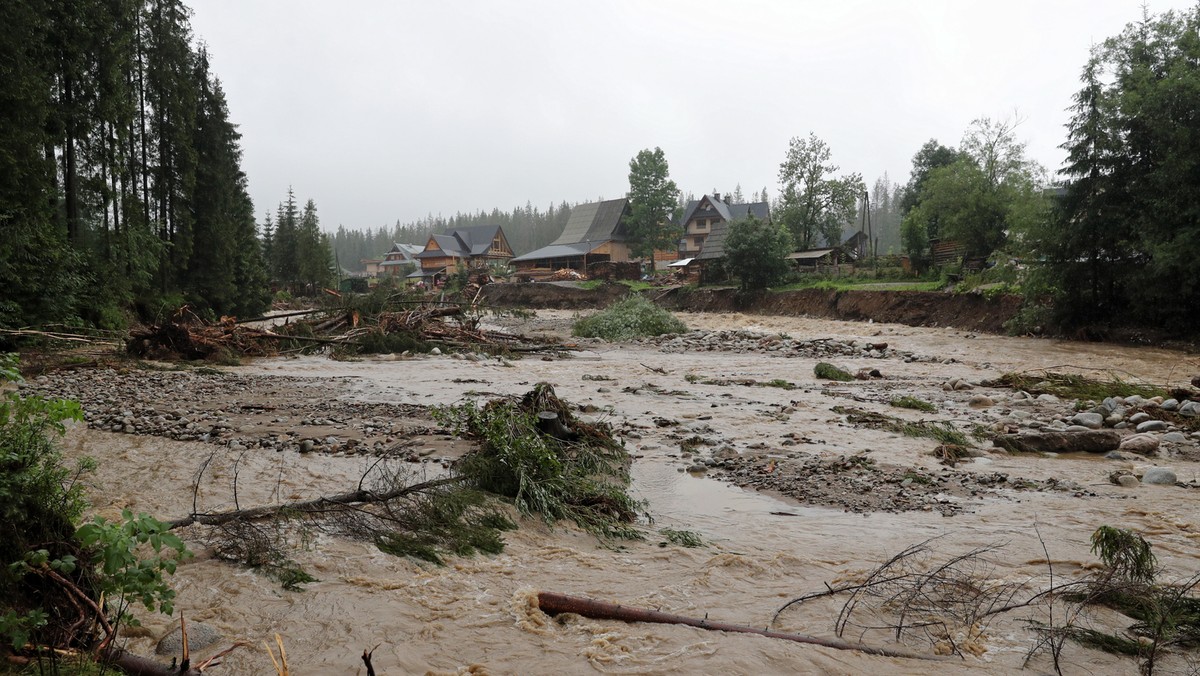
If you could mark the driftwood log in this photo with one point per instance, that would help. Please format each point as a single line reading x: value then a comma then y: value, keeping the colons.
x: 553, y: 603
x: 323, y: 503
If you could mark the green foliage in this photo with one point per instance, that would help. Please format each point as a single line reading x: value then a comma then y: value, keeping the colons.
x: 124, y: 568
x: 17, y: 627
x: 454, y: 521
x: 631, y: 317
x: 991, y: 192
x: 1126, y: 554
x: 827, y: 371
x: 39, y: 497
x: 814, y: 204
x: 756, y: 253
x: 581, y: 479
x: 681, y: 538
x: 913, y: 403
x: 1074, y: 386
x: 1124, y: 246
x: 944, y: 433
x: 653, y: 198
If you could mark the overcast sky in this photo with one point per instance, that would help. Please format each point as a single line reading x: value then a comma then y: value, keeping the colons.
x: 385, y: 110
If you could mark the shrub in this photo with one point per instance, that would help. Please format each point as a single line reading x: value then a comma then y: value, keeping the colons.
x: 632, y: 317
x: 827, y: 371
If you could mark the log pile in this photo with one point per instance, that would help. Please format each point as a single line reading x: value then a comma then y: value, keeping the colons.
x: 187, y: 336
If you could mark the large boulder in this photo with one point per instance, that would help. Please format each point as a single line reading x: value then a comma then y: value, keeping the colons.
x: 1089, y: 420
x: 1160, y: 476
x: 1089, y: 441
x: 1142, y: 444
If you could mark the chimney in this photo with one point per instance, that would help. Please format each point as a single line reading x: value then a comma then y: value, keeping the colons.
x: 716, y: 196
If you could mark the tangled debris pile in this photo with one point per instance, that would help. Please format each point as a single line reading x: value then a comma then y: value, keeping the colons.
x: 534, y: 451
x: 187, y: 336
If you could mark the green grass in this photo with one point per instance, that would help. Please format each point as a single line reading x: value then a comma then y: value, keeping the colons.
x: 1072, y: 386
x: 913, y: 403
x: 942, y: 432
x: 827, y: 371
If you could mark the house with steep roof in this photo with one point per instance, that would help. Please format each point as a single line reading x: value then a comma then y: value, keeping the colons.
x: 706, y: 223
x: 708, y: 216
x: 399, y: 258
x: 472, y: 247
x: 594, y: 233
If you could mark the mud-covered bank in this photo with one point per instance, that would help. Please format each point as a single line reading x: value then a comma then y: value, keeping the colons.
x: 972, y: 312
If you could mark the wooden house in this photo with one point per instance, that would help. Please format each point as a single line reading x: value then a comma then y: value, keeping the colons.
x: 703, y: 217
x: 470, y: 247
x: 401, y: 257
x: 594, y: 233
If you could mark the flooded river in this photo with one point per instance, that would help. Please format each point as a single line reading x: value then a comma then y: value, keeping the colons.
x: 478, y: 615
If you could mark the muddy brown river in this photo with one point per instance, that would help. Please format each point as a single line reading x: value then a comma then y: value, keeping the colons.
x: 478, y: 615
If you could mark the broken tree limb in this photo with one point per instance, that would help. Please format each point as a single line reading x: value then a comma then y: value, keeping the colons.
x: 553, y: 603
x: 359, y: 496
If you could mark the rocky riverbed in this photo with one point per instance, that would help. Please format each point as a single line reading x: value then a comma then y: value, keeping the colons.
x: 790, y: 481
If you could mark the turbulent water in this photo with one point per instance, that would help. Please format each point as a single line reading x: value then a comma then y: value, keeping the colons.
x: 479, y: 615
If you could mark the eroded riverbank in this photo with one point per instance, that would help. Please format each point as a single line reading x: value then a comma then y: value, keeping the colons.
x: 762, y: 548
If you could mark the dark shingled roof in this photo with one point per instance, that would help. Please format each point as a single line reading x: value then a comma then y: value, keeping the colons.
x: 589, y: 226
x: 473, y: 240
x: 714, y: 244
x: 594, y: 222
x: 729, y: 212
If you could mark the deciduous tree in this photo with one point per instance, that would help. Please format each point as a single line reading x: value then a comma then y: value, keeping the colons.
x: 814, y: 204
x: 756, y: 252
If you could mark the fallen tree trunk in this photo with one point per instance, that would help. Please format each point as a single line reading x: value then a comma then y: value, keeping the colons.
x: 553, y: 603
x: 136, y: 665
x: 323, y: 503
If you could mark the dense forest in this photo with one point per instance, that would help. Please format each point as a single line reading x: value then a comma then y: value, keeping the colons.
x: 120, y: 178
x: 527, y: 228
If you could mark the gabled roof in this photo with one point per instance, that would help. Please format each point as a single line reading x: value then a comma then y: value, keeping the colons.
x: 589, y: 226
x: 594, y: 222
x: 714, y: 244
x: 809, y: 254
x: 728, y: 212
x: 465, y: 242
x: 853, y: 237
x: 407, y: 252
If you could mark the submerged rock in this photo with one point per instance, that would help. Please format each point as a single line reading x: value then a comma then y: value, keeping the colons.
x: 1090, y: 441
x: 1160, y: 476
x: 200, y: 636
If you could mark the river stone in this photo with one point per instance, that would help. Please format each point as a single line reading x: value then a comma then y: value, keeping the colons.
x: 306, y: 446
x: 1170, y: 405
x: 1089, y: 441
x: 1174, y: 437
x: 1189, y: 409
x: 1152, y: 426
x: 200, y: 636
x: 981, y: 401
x: 1142, y: 444
x: 1127, y: 480
x: 1160, y: 476
x: 1090, y: 420
x: 1114, y: 420
x: 1139, y: 417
